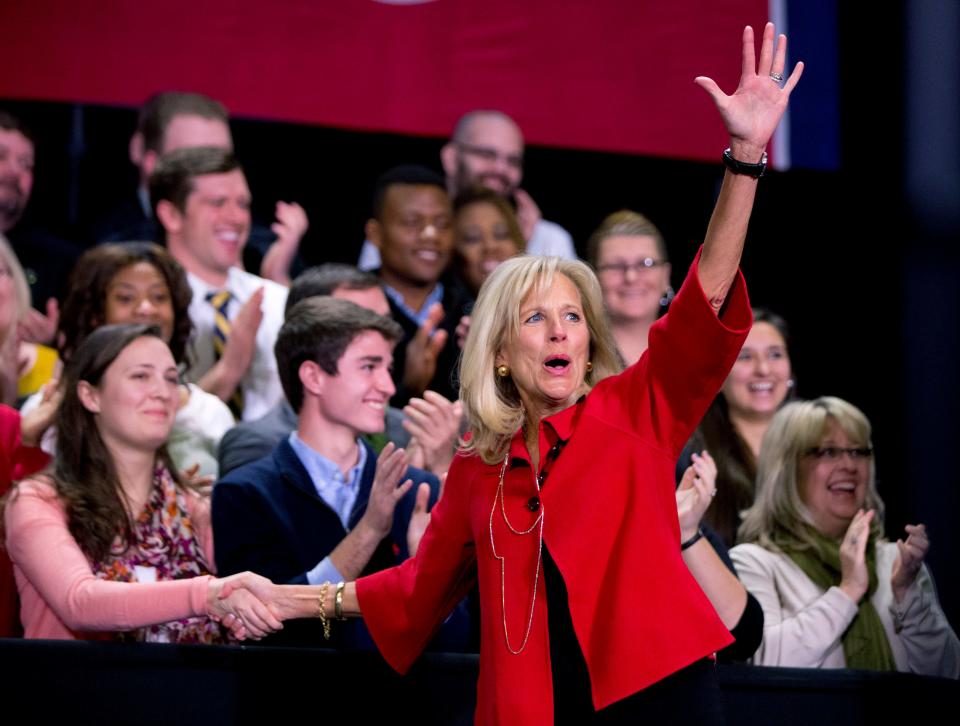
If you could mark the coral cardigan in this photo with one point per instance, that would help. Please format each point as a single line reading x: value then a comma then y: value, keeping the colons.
x: 59, y: 594
x: 610, y: 523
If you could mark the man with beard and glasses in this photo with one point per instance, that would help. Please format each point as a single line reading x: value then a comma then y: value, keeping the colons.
x: 46, y: 259
x: 486, y: 149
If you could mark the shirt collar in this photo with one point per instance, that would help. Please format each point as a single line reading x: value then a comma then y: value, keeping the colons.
x: 321, y: 469
x: 417, y: 316
x: 555, y: 432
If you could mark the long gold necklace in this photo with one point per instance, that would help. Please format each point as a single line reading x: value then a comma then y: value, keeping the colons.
x: 493, y: 547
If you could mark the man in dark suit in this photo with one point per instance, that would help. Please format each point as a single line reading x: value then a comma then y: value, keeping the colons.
x: 412, y: 227
x: 46, y: 259
x: 322, y: 507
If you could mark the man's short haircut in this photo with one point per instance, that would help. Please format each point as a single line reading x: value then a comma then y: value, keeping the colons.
x: 326, y: 279
x: 9, y: 122
x: 172, y: 179
x: 461, y: 131
x: 409, y: 174
x: 320, y: 329
x: 161, y: 108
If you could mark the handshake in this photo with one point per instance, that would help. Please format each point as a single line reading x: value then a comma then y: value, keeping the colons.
x: 251, y: 606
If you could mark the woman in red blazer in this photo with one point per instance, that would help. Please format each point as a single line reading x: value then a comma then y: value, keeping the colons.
x: 561, y: 503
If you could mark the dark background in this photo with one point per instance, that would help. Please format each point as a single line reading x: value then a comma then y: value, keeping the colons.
x: 862, y: 261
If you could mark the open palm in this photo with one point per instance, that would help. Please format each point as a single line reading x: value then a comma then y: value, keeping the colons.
x: 753, y: 111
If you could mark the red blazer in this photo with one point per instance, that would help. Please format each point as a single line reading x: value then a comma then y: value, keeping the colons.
x: 16, y: 462
x: 610, y: 523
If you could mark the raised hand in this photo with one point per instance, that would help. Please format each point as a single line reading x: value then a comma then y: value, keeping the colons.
x: 39, y: 328
x: 239, y: 601
x: 195, y: 480
x: 528, y: 213
x: 854, y: 577
x: 696, y: 491
x: 422, y: 351
x: 433, y: 423
x: 753, y: 111
x: 35, y: 423
x: 909, y: 560
x: 386, y: 490
x: 291, y: 225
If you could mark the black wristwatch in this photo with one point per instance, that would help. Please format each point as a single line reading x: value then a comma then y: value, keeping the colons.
x: 693, y: 540
x: 742, y: 167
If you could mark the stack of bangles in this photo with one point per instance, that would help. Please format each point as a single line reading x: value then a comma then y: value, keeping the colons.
x: 337, y: 606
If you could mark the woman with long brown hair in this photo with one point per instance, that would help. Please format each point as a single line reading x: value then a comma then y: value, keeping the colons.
x: 110, y: 542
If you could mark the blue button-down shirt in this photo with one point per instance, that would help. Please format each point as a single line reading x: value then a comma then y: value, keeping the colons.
x: 338, y: 491
x: 419, y: 317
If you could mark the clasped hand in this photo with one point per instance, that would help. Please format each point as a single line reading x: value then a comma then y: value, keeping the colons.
x: 240, y: 602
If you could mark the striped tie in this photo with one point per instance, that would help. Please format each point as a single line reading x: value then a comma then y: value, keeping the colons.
x: 221, y: 333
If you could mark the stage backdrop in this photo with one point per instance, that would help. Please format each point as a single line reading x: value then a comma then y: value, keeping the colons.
x: 605, y: 75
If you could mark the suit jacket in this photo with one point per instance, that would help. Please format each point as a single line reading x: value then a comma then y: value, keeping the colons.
x: 456, y: 302
x: 251, y: 440
x: 268, y: 518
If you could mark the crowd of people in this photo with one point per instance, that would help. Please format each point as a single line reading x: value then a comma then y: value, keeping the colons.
x: 205, y: 441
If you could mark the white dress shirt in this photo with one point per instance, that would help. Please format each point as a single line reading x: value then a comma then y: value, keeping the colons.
x: 261, y: 383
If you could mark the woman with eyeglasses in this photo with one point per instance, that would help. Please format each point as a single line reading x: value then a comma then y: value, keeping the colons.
x: 630, y: 257
x: 834, y: 593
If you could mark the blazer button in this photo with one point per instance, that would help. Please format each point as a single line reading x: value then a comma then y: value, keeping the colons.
x: 533, y: 504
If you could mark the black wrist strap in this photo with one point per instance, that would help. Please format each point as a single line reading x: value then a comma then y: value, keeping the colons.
x: 742, y: 167
x: 693, y: 540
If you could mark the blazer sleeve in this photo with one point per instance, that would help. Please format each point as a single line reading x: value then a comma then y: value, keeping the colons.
x: 932, y: 646
x: 242, y: 445
x: 246, y: 533
x: 691, y: 351
x: 802, y: 639
x: 405, y: 605
x: 41, y: 546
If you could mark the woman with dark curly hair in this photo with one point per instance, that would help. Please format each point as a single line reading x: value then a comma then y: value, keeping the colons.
x: 140, y: 282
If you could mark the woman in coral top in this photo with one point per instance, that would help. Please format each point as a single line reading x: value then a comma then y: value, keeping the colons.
x: 109, y: 542
x: 561, y: 503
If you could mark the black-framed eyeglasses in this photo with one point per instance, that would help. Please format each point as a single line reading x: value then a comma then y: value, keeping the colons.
x: 834, y: 453
x: 621, y: 268
x: 489, y: 154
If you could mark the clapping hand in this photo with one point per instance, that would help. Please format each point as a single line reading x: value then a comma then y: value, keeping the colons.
x: 421, y: 515
x: 909, y: 560
x: 697, y: 489
x: 433, y: 423
x: 421, y: 359
x: 854, y: 576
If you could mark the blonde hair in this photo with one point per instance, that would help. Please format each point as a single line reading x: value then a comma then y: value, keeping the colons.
x: 492, y: 404
x: 21, y: 290
x: 797, y: 428
x: 625, y: 223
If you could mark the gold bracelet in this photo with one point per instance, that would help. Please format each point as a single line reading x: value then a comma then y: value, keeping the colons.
x: 324, y: 621
x: 338, y: 601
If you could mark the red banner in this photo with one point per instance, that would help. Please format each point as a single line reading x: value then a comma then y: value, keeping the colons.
x: 614, y: 75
